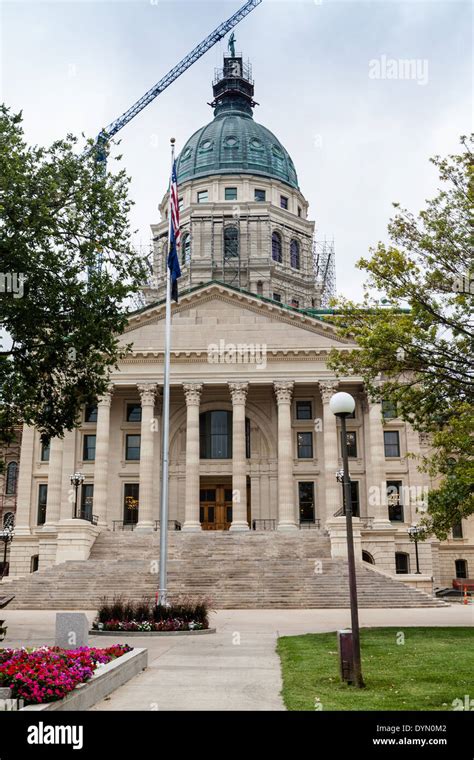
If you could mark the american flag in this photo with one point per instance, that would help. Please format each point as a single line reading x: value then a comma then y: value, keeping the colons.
x: 173, y: 257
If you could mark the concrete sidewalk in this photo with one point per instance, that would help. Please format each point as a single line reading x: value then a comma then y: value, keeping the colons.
x: 235, y: 669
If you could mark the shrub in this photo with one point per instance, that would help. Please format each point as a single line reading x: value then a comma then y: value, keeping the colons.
x: 181, y: 614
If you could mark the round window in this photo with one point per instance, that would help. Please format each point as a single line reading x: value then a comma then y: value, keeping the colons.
x: 231, y: 141
x: 206, y: 145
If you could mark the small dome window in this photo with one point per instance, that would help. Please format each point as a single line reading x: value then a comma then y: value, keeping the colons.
x: 256, y: 144
x: 206, y: 145
x: 186, y: 154
x: 231, y: 142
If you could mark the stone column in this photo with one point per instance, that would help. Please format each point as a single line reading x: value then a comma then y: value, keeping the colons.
x: 239, y: 461
x: 101, y: 469
x: 376, y: 481
x: 55, y: 477
x: 192, y: 392
x: 24, y: 482
x: 332, y: 489
x: 286, y: 502
x: 147, y: 438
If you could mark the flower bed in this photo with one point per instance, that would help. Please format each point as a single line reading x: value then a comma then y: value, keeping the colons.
x: 145, y: 616
x: 48, y: 674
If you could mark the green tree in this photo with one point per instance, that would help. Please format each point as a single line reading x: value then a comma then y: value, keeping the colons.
x: 58, y: 210
x: 415, y: 344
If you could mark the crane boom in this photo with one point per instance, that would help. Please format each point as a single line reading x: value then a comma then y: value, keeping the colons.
x: 181, y: 67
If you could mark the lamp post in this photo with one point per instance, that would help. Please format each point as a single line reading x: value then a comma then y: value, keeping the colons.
x: 6, y: 536
x: 342, y: 405
x: 76, y: 481
x: 414, y: 532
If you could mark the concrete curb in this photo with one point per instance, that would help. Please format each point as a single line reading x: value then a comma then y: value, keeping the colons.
x: 119, y: 634
x: 106, y: 679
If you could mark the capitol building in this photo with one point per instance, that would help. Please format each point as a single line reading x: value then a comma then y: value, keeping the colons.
x: 254, y: 447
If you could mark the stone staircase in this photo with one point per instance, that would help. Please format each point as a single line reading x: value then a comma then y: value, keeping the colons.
x: 234, y: 570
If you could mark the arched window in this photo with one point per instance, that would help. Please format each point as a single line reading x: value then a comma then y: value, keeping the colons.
x: 10, y: 482
x: 402, y: 562
x: 367, y: 557
x: 260, y: 288
x: 276, y: 247
x: 186, y: 248
x: 295, y: 254
x: 461, y: 568
x: 231, y: 242
x: 8, y: 519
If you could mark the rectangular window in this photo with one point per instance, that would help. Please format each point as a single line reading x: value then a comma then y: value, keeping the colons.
x: 402, y: 563
x: 131, y: 502
x: 283, y: 201
x: 88, y: 450
x: 260, y: 196
x: 180, y: 204
x: 354, y: 498
x: 351, y: 438
x: 295, y: 303
x: 132, y: 447
x: 87, y: 501
x: 305, y: 445
x: 45, y: 448
x: 391, y: 440
x: 277, y: 297
x: 90, y: 413
x: 389, y: 410
x: 134, y: 413
x: 230, y: 193
x: 299, y: 210
x: 306, y: 501
x: 42, y: 499
x: 457, y: 530
x: 304, y: 410
x: 202, y: 196
x: 394, y: 500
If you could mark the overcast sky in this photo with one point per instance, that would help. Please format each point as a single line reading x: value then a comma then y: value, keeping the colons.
x: 359, y: 139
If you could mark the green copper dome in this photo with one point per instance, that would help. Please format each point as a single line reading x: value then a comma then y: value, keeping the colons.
x: 233, y: 143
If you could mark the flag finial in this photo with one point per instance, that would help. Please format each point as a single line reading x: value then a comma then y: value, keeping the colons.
x: 172, y: 140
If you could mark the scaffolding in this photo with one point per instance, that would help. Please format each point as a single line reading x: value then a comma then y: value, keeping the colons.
x: 324, y: 261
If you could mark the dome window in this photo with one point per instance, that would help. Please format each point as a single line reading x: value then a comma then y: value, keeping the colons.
x: 256, y: 144
x: 206, y: 145
x: 260, y: 196
x: 231, y: 242
x: 295, y: 254
x: 186, y: 249
x: 231, y: 142
x: 186, y: 154
x: 276, y: 247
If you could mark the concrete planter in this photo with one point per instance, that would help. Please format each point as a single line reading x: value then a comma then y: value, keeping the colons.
x: 106, y: 679
x: 120, y: 634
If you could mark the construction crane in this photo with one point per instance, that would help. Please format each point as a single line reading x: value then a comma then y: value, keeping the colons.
x: 172, y: 75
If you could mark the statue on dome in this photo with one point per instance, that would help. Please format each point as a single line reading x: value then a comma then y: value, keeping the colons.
x: 232, y: 45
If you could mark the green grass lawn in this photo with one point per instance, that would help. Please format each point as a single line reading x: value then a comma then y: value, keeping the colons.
x: 431, y: 668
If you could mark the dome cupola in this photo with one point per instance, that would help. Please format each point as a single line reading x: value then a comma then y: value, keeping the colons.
x: 233, y: 143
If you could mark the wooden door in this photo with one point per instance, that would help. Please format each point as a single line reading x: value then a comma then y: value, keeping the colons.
x: 215, y: 508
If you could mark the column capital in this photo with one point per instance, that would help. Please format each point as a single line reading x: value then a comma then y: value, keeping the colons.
x: 106, y: 398
x: 238, y: 392
x: 328, y: 388
x: 192, y: 393
x: 147, y: 393
x: 283, y: 391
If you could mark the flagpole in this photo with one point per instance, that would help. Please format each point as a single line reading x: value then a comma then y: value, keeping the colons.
x: 162, y: 593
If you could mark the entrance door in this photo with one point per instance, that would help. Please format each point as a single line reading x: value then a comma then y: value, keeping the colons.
x: 215, y: 509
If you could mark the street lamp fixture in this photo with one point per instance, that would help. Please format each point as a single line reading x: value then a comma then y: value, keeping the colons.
x: 76, y: 481
x: 415, y: 533
x: 6, y: 535
x: 342, y: 405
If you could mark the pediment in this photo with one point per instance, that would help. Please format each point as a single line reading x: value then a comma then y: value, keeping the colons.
x: 216, y: 313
